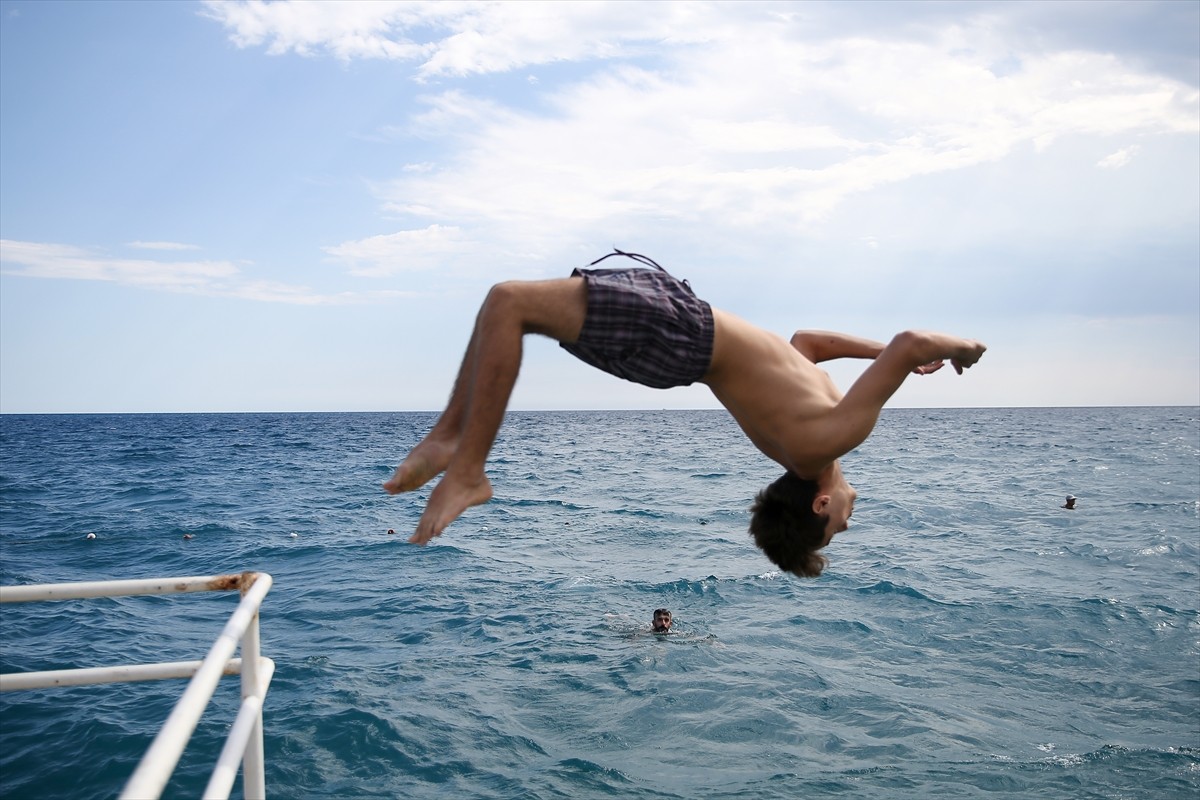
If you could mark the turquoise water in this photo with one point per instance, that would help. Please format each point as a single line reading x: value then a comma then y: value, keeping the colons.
x: 971, y: 638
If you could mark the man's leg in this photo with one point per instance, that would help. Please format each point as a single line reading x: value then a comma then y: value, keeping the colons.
x: 430, y: 457
x: 463, y: 437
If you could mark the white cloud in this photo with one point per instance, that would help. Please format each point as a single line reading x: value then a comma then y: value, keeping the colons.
x: 773, y: 137
x: 345, y: 29
x: 1118, y: 159
x: 436, y: 246
x: 469, y: 37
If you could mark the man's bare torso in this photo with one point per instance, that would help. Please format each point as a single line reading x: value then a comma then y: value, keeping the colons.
x: 781, y: 399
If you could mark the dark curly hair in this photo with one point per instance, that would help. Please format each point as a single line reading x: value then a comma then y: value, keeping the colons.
x: 786, y: 528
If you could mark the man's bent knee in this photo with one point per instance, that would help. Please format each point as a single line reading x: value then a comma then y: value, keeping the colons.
x: 553, y: 308
x: 504, y: 297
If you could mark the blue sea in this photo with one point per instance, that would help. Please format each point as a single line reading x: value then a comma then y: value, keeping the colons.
x: 970, y: 639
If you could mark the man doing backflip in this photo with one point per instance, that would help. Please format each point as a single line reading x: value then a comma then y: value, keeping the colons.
x: 640, y: 323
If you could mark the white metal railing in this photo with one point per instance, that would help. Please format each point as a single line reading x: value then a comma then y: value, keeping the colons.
x: 245, y: 740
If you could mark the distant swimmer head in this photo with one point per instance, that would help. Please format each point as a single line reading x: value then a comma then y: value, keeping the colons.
x: 90, y: 536
x: 1070, y: 502
x: 662, y: 620
x: 188, y: 536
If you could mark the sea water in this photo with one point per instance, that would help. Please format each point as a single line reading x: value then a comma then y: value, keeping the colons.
x: 970, y: 638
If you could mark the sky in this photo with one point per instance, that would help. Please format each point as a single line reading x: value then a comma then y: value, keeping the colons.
x: 299, y: 206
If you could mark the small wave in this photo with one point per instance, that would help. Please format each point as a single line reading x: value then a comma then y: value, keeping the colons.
x: 709, y: 585
x: 887, y: 587
x: 640, y: 513
x: 534, y: 503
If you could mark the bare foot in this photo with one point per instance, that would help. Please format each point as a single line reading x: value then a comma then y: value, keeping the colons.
x: 425, y: 462
x: 447, y: 501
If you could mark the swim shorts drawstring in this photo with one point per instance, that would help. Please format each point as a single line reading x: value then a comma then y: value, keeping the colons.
x: 635, y: 256
x: 641, y: 259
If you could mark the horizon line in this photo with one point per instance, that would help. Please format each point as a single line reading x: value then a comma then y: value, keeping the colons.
x: 575, y: 410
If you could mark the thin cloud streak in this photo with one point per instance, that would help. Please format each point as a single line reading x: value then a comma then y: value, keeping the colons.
x: 162, y: 246
x: 434, y: 247
x: 210, y: 278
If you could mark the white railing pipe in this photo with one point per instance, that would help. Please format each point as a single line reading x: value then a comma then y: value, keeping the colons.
x: 82, y: 590
x: 156, y: 766
x: 245, y: 740
x: 17, y: 681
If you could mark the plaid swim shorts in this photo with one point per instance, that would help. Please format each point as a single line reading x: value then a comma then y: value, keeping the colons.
x: 645, y: 326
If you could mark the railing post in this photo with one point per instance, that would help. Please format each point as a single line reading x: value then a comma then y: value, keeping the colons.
x: 254, y: 779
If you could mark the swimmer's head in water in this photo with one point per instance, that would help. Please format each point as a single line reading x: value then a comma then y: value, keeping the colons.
x: 662, y: 620
x: 786, y: 527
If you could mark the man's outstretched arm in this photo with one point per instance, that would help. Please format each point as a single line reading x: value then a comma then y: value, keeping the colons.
x: 818, y: 346
x: 908, y: 352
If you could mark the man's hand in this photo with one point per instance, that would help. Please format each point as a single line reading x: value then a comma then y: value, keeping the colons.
x: 969, y: 353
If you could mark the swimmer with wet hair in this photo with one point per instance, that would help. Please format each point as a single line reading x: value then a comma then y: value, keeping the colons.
x: 662, y: 621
